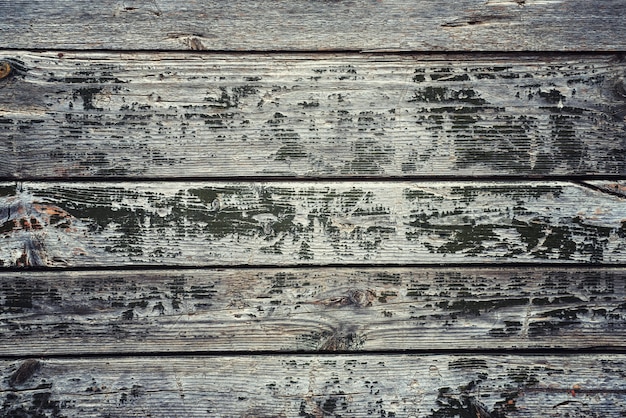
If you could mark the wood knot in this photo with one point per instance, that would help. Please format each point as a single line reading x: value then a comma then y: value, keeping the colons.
x: 353, y: 298
x: 5, y: 69
x: 338, y: 341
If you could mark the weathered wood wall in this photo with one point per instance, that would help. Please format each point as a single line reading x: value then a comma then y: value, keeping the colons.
x: 320, y: 209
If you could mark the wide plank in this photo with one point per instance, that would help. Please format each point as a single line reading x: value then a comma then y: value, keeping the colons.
x: 429, y: 386
x: 323, y: 309
x: 166, y: 115
x: 269, y: 25
x: 91, y: 224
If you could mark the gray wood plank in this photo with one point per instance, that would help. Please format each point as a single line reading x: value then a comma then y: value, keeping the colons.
x: 423, y: 25
x: 317, y: 386
x: 171, y: 115
x: 309, y: 223
x: 75, y: 313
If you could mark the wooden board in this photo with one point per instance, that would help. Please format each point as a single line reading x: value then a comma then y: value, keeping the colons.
x: 251, y: 310
x: 311, y: 386
x: 415, y: 25
x: 165, y: 115
x: 310, y: 223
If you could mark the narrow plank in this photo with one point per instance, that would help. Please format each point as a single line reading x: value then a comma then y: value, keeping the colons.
x: 492, y: 25
x: 164, y: 115
x: 308, y: 223
x: 318, y: 386
x: 75, y: 313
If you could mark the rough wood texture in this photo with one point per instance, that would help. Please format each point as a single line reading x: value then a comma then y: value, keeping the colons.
x: 165, y: 115
x: 415, y: 25
x: 314, y: 310
x: 213, y: 113
x: 352, y: 386
x: 277, y: 223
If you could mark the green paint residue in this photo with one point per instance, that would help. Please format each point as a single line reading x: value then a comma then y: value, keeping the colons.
x: 225, y: 212
x: 476, y: 307
x: 445, y: 95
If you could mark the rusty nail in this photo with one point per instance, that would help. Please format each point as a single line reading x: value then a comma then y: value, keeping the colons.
x: 5, y: 69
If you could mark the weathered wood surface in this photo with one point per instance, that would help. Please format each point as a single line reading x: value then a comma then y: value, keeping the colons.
x: 74, y: 313
x: 213, y: 113
x: 288, y: 386
x: 311, y: 223
x: 164, y: 115
x: 415, y: 25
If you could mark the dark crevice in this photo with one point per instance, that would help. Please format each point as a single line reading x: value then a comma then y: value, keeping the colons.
x: 600, y: 189
x: 577, y: 179
x: 248, y: 353
x: 473, y: 53
x: 472, y: 266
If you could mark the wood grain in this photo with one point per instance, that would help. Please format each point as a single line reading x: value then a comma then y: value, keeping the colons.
x: 309, y: 223
x: 320, y: 386
x: 301, y: 193
x: 239, y: 25
x: 323, y: 309
x: 165, y: 115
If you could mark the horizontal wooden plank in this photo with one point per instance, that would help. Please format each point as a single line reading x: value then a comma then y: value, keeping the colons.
x: 318, y: 386
x: 266, y: 25
x: 310, y: 223
x: 330, y: 115
x: 74, y: 313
